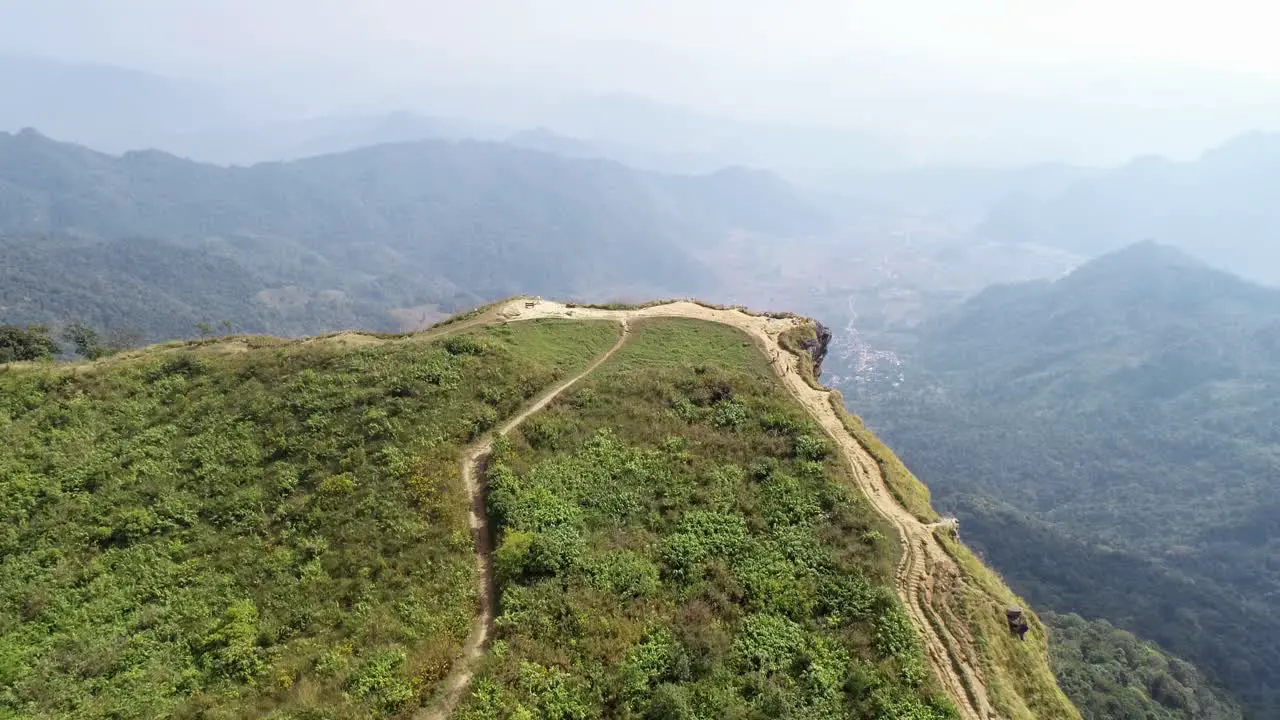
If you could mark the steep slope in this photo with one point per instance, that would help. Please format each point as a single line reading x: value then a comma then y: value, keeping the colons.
x: 402, y: 226
x: 1126, y: 416
x: 674, y: 533
x: 1221, y: 208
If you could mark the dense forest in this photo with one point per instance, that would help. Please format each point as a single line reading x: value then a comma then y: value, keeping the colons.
x: 1109, y: 439
x: 1112, y: 675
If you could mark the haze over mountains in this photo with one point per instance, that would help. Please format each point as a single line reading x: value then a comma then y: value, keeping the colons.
x: 894, y: 114
x: 1221, y: 208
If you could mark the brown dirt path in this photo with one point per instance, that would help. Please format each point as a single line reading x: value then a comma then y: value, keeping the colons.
x: 473, y: 460
x: 925, y: 573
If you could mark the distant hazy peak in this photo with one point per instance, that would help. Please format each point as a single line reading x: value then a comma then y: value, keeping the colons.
x: 1253, y: 147
x: 1146, y: 252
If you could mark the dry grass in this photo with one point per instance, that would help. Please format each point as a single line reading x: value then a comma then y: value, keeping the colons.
x: 1020, y: 682
x: 913, y: 494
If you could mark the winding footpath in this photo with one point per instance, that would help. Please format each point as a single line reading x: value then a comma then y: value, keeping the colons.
x: 926, y: 574
x: 473, y: 461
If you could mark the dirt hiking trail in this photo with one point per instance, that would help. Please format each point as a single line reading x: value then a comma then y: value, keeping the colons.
x: 473, y: 461
x: 926, y: 576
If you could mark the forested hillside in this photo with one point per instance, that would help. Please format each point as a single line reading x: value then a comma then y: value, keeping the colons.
x: 339, y: 240
x: 1112, y: 675
x: 162, y: 289
x: 1110, y: 440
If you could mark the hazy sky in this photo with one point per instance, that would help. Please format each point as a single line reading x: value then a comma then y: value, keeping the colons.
x: 828, y: 61
x: 1224, y: 34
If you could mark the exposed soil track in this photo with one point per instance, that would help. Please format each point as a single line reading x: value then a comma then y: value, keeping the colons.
x: 473, y: 462
x: 926, y: 574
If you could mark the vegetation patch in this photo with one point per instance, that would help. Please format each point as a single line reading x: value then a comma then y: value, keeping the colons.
x: 794, y: 341
x: 280, y: 530
x: 1109, y: 673
x: 677, y: 539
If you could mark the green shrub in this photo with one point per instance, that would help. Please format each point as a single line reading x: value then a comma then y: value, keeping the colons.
x: 649, y: 664
x: 533, y: 508
x: 783, y: 423
x: 380, y: 682
x: 894, y: 635
x: 848, y: 599
x: 554, y: 694
x: 809, y: 447
x: 542, y: 433
x: 769, y: 643
x: 729, y: 415
x: 338, y: 485
x: 482, y: 419
x: 464, y: 345
x: 626, y: 574
x: 231, y: 651
x: 702, y: 535
x: 685, y: 410
x: 511, y: 560
x: 554, y: 551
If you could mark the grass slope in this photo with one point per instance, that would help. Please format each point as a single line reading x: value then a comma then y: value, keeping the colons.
x: 677, y: 539
x: 250, y: 527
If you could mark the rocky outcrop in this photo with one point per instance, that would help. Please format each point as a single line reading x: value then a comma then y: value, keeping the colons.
x: 817, y: 346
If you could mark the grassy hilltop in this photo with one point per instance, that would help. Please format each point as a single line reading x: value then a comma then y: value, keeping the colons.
x: 259, y: 527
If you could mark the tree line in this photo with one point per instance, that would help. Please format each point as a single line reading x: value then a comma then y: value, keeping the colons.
x: 35, y: 342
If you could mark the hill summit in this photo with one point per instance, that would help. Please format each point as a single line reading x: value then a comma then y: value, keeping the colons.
x: 533, y: 509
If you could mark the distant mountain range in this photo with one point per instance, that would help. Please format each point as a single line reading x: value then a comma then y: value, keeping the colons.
x: 1111, y: 439
x: 407, y: 225
x: 104, y: 106
x: 1223, y: 208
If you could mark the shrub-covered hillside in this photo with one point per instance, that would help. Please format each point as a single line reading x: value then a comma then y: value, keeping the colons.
x: 249, y: 526
x: 678, y: 540
x: 254, y: 527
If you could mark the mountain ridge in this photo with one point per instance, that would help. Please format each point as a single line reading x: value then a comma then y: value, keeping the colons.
x: 392, y: 670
